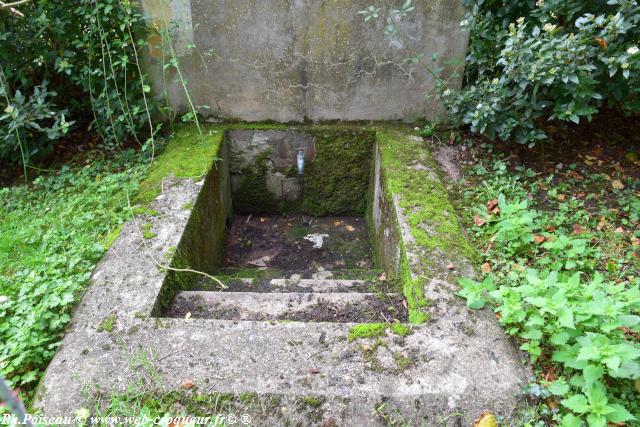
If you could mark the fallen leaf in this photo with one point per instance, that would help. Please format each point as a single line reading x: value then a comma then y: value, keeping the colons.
x: 187, y: 384
x: 479, y: 221
x: 350, y: 228
x: 560, y: 197
x: 188, y: 315
x: 601, y: 42
x: 337, y: 223
x: 486, y: 267
x: 619, y: 230
x: 550, y: 228
x: 601, y: 223
x: 495, y: 210
x: 552, y: 404
x: 487, y: 419
x: 405, y: 305
x: 383, y: 277
x: 581, y: 195
x: 617, y: 184
x: 539, y: 239
x: 578, y: 229
x: 491, y: 204
x: 263, y: 219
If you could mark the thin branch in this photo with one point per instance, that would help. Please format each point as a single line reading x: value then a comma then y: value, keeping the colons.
x: 11, y: 7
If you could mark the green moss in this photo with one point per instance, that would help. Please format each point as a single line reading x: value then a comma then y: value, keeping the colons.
x: 411, y: 173
x: 249, y: 397
x: 312, y: 401
x: 402, y: 362
x: 336, y: 181
x: 146, y: 231
x: 109, y: 239
x: 367, y: 330
x: 144, y: 210
x: 187, y: 155
x: 107, y: 324
x: 401, y: 329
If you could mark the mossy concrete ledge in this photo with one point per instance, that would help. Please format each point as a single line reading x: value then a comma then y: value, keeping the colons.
x: 446, y: 368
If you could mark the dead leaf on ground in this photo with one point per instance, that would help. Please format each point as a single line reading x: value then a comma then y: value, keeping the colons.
x: 560, y: 197
x: 350, y: 228
x: 539, y: 239
x: 187, y: 384
x: 617, y: 184
x: 601, y: 223
x: 486, y: 267
x: 491, y: 205
x: 578, y: 229
x: 188, y: 315
x: 383, y: 277
x: 479, y: 221
x: 487, y: 419
x: 619, y: 230
x: 263, y: 219
x: 337, y: 223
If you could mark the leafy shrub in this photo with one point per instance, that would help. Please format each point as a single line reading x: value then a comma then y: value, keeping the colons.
x: 88, y: 53
x: 531, y: 62
x: 34, y: 119
x: 557, y: 288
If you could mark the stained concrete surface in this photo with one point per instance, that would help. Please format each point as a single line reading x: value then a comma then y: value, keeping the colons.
x: 447, y: 372
x: 296, y: 60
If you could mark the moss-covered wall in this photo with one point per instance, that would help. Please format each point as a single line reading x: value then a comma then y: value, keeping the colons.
x: 415, y: 229
x: 202, y: 243
x: 334, y: 181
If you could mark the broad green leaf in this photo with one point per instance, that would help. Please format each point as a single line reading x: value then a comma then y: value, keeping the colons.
x: 577, y: 403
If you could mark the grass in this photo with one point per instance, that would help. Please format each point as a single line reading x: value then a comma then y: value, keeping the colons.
x: 52, y: 234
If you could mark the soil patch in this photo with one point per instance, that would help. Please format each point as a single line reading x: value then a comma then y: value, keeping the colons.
x: 298, y: 242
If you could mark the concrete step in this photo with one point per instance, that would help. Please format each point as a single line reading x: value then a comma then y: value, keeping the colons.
x: 294, y: 284
x: 273, y: 273
x: 308, y: 307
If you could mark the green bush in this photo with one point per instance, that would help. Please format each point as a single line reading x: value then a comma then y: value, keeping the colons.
x: 88, y: 52
x: 533, y: 62
x: 570, y: 299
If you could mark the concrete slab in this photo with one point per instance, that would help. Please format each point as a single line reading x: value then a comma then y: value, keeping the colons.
x: 447, y: 372
x: 294, y: 284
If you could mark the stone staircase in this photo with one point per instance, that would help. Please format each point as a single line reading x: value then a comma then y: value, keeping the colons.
x: 311, y: 296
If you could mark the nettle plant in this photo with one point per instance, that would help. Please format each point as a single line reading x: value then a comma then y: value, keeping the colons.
x: 534, y: 62
x: 559, y: 306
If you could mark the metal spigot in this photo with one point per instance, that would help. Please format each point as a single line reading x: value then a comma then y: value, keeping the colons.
x: 300, y: 159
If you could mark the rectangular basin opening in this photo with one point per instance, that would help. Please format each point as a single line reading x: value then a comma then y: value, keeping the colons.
x: 280, y: 222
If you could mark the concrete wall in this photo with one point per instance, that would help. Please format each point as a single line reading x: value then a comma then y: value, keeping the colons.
x: 291, y: 60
